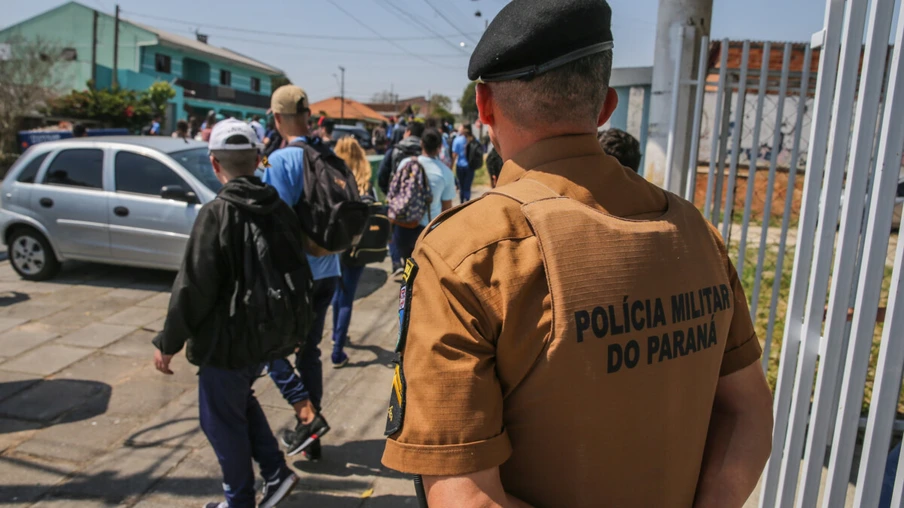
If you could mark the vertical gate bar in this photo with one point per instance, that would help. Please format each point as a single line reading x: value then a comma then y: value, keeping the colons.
x: 789, y: 200
x: 736, y: 144
x: 714, y: 153
x: 870, y: 280
x: 755, y: 151
x: 770, y: 184
x: 886, y: 387
x: 673, y: 117
x: 819, y: 267
x: 693, y: 158
x: 819, y: 134
x: 723, y: 147
x: 847, y: 249
x: 897, y: 496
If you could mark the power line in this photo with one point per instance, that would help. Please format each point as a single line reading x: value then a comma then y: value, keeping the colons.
x: 378, y: 34
x: 453, y: 25
x: 295, y: 35
x: 417, y: 22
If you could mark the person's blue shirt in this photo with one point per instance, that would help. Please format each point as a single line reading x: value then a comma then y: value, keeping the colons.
x: 442, y: 185
x: 459, y: 147
x: 286, y: 174
x: 155, y: 128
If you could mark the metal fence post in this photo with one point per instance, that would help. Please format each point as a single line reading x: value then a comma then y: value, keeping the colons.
x: 693, y: 158
x: 868, y: 288
x: 673, y: 118
x: 791, y: 341
x: 736, y: 144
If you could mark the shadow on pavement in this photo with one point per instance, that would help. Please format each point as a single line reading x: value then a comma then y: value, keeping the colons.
x: 12, y: 297
x: 114, y: 276
x: 53, y: 401
x: 355, y: 458
x: 382, y: 356
x: 371, y: 280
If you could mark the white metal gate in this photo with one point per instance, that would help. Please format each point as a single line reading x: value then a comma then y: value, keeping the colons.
x: 841, y: 246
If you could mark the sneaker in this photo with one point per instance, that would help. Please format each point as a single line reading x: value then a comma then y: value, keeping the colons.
x: 340, y: 359
x: 303, y: 435
x: 277, y: 489
x: 313, y: 452
x: 214, y: 504
x: 397, y: 272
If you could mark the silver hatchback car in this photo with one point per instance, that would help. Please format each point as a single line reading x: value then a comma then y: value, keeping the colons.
x: 129, y: 200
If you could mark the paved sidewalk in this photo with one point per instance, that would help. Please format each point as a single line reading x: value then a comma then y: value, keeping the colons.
x: 86, y: 421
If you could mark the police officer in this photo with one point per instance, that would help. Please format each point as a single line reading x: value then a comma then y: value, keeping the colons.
x: 577, y: 337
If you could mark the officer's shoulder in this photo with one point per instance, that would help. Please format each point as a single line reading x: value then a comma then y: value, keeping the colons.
x: 472, y: 227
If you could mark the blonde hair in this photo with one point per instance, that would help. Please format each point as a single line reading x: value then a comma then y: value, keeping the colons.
x: 351, y: 152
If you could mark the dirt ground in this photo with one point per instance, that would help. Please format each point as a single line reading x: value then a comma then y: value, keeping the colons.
x: 760, y: 191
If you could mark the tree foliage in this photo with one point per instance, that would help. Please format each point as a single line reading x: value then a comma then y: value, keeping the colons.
x: 443, y: 114
x: 278, y: 82
x: 115, y: 107
x: 468, y: 102
x: 28, y: 81
x: 439, y: 101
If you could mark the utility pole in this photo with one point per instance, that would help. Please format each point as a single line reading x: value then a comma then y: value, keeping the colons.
x: 94, y: 53
x: 342, y: 92
x: 679, y: 26
x: 116, y: 48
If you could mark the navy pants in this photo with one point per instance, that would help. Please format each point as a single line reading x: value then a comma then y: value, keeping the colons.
x: 236, y: 427
x: 343, y: 299
x: 404, y: 240
x: 465, y: 180
x: 308, y: 383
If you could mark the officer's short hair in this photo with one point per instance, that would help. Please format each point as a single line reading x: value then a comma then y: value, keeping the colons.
x: 431, y: 141
x: 573, y: 92
x: 622, y: 146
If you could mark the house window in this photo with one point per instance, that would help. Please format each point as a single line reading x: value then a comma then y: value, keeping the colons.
x: 162, y: 63
x: 255, y: 84
x: 225, y: 78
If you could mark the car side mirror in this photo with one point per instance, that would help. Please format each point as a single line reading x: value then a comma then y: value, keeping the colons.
x: 178, y: 193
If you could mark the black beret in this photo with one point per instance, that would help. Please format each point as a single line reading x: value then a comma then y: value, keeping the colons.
x: 530, y: 37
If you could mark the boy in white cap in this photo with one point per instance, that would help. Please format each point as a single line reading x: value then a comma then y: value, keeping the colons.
x: 202, y: 319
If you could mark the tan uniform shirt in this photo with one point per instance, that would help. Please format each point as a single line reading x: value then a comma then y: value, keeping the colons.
x: 589, y: 380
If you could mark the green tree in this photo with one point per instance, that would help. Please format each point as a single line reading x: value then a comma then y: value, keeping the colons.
x: 115, y: 107
x: 443, y: 114
x: 439, y: 101
x: 278, y: 82
x: 468, y: 102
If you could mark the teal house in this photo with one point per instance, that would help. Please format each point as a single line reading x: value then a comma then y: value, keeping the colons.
x: 204, y: 76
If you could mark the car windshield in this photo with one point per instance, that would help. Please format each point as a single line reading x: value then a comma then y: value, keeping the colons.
x: 197, y: 162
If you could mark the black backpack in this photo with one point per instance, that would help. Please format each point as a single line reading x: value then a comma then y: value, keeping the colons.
x: 272, y: 302
x: 331, y: 211
x: 373, y: 246
x: 474, y: 152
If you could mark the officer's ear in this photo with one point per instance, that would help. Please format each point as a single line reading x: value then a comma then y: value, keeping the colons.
x: 609, y: 106
x: 485, y: 104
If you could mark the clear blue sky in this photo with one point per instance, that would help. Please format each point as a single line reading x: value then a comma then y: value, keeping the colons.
x: 434, y: 64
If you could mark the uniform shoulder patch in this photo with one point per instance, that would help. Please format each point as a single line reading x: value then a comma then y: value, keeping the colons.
x: 396, y: 413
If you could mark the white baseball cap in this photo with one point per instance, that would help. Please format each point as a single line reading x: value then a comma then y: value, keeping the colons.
x: 232, y: 134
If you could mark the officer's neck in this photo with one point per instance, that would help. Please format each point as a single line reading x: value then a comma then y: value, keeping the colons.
x: 512, y: 141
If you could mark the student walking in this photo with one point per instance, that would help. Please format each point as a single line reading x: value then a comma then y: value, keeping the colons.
x: 351, y: 152
x: 221, y: 332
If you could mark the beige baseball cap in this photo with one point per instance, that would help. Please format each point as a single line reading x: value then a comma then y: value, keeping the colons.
x: 289, y: 100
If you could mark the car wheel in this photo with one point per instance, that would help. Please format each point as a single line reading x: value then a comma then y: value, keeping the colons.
x: 31, y: 255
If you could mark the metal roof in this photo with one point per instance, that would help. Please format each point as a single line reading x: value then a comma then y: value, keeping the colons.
x: 201, y: 47
x: 158, y: 143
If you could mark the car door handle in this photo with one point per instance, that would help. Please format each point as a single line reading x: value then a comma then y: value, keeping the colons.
x: 121, y: 211
x: 46, y: 202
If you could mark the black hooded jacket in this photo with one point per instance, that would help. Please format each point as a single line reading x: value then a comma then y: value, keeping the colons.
x: 199, y: 308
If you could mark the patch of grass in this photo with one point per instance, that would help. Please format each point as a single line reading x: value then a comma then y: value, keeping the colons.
x: 482, y: 177
x: 765, y: 299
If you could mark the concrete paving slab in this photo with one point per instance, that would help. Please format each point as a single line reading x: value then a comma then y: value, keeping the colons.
x: 158, y: 301
x: 96, y: 335
x: 69, y: 321
x: 13, y: 432
x: 47, y: 400
x: 70, y: 295
x: 156, y: 326
x: 24, y: 479
x: 78, y: 441
x: 174, y: 425
x: 194, y: 481
x: 31, y: 310
x: 51, y: 502
x: 22, y: 338
x: 102, y: 368
x: 132, y: 294
x: 7, y: 323
x: 12, y: 383
x: 122, y: 474
x: 136, y: 316
x: 143, y: 395
x: 45, y: 360
x: 136, y: 344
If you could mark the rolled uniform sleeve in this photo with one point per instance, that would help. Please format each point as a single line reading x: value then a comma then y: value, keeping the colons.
x: 453, y: 417
x: 743, y: 346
